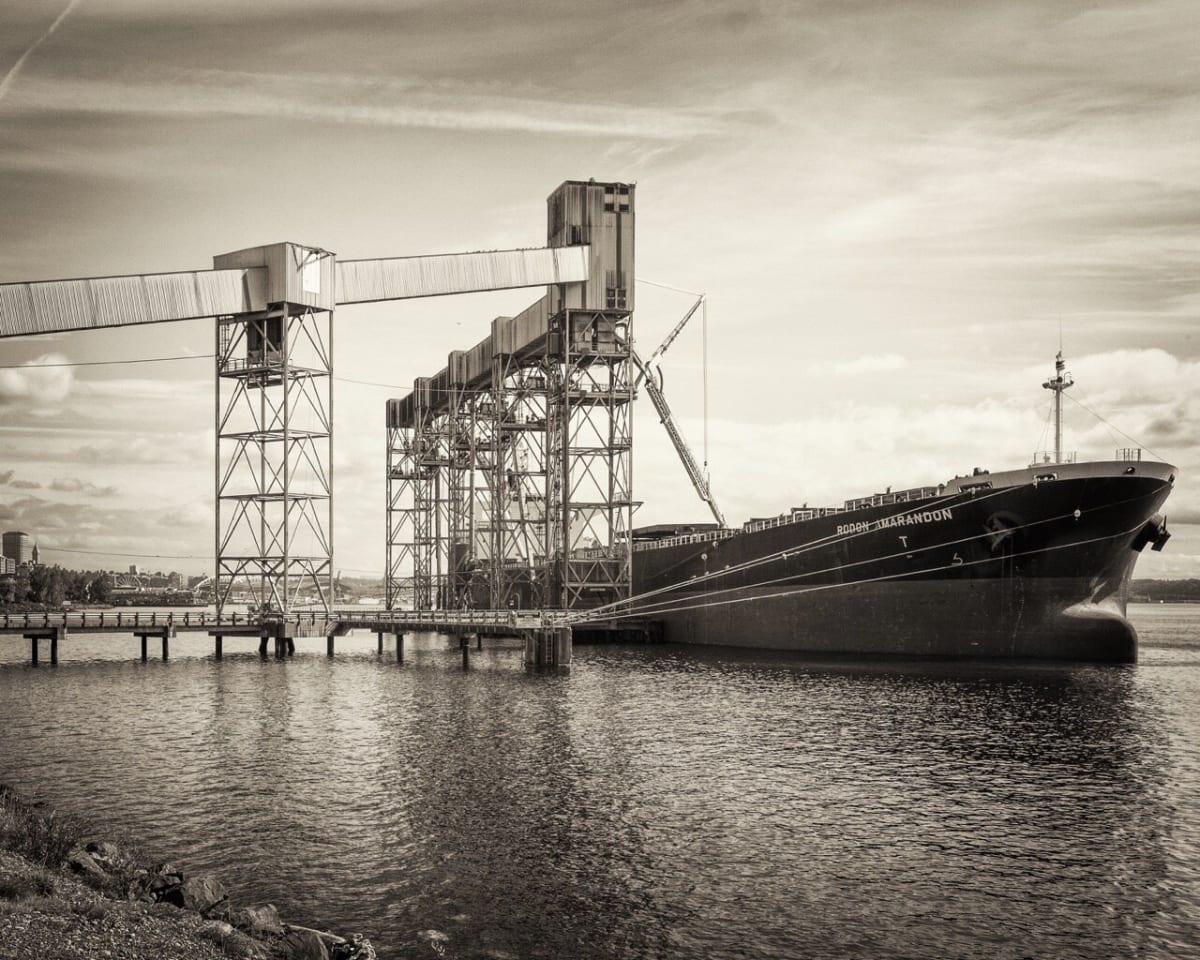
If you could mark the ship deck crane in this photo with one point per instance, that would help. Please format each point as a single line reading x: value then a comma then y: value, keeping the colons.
x: 646, y: 370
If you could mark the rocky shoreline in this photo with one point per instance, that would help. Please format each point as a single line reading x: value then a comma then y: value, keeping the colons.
x: 69, y: 895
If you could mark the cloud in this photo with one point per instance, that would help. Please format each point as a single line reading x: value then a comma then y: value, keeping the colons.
x: 36, y: 386
x: 825, y: 454
x: 871, y: 364
x: 370, y: 101
x: 88, y: 489
x: 6, y: 478
x: 89, y: 534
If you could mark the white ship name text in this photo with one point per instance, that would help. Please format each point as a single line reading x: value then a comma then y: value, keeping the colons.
x: 899, y: 520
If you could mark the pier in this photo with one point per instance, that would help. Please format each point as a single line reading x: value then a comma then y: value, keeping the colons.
x: 548, y: 639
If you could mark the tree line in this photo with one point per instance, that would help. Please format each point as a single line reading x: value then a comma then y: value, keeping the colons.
x: 1168, y: 591
x: 51, y: 586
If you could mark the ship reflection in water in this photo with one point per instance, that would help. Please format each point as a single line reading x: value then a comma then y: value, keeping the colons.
x: 658, y: 801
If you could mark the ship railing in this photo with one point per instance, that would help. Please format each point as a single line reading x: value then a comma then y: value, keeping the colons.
x: 1129, y: 454
x: 1043, y: 457
x: 640, y: 545
x: 798, y: 515
x: 886, y: 499
x: 615, y: 552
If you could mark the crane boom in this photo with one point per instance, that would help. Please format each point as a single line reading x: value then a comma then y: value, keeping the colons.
x: 668, y: 340
x: 695, y: 474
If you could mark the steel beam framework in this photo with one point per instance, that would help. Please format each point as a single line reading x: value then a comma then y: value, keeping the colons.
x: 402, y: 519
x: 518, y: 480
x: 274, y: 458
x: 589, y: 447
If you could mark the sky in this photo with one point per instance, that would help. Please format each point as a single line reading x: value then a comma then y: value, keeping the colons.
x: 895, y: 209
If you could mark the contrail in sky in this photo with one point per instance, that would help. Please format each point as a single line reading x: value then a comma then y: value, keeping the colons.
x: 16, y: 67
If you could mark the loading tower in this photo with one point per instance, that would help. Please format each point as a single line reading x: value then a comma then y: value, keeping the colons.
x: 550, y: 431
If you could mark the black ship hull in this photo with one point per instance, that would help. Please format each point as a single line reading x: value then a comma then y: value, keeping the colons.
x: 1028, y: 564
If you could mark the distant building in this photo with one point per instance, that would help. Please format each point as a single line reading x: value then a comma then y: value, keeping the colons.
x: 18, y: 547
x: 133, y: 569
x: 8, y: 566
x: 35, y: 558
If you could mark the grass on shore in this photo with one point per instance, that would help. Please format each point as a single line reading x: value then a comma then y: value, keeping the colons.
x: 44, y: 838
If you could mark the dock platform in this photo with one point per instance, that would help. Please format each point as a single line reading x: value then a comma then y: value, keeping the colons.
x: 548, y: 634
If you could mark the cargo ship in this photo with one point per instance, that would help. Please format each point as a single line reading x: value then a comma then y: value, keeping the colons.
x: 1027, y: 563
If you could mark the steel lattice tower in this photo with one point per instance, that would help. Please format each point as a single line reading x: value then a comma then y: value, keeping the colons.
x: 274, y: 454
x: 589, y: 459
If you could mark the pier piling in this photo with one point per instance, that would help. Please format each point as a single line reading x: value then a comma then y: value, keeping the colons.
x: 464, y: 644
x: 164, y: 633
x: 379, y: 646
x: 217, y: 646
x: 548, y: 647
x: 399, y: 647
x: 53, y: 634
x: 329, y: 645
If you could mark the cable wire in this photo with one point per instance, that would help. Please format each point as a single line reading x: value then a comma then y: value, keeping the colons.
x: 1114, y: 427
x: 105, y: 363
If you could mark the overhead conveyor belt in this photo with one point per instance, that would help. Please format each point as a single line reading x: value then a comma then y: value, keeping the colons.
x: 401, y: 278
x: 53, y: 306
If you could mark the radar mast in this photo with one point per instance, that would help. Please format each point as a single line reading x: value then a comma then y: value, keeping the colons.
x: 1062, y: 381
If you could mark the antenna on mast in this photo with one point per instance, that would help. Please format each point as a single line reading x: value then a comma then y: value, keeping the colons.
x: 1062, y: 381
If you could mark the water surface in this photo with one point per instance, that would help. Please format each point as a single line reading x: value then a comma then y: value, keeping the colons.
x: 656, y: 801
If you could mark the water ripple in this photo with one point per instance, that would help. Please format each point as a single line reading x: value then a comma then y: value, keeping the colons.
x: 656, y: 802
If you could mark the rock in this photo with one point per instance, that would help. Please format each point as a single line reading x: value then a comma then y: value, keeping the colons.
x: 233, y: 943
x: 357, y: 947
x: 214, y: 929
x: 197, y: 893
x: 83, y: 863
x: 107, y: 854
x: 258, y: 921
x: 161, y: 879
x: 301, y: 945
x: 331, y: 939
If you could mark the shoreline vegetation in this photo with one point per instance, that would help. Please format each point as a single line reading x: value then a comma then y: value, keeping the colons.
x: 69, y: 894
x: 1140, y: 591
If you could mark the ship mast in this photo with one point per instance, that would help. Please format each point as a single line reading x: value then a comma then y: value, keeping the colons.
x: 1061, y: 382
